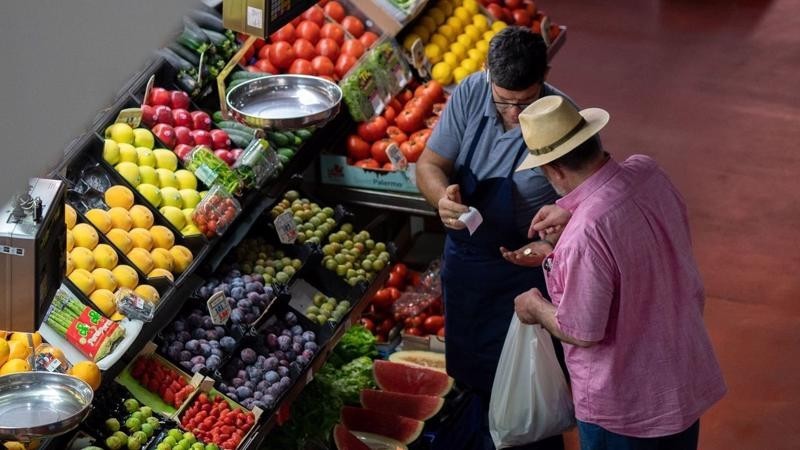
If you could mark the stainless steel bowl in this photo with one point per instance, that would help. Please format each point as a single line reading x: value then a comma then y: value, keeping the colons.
x: 284, y: 101
x: 41, y: 404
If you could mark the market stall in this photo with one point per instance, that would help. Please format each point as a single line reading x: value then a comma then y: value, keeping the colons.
x: 234, y: 281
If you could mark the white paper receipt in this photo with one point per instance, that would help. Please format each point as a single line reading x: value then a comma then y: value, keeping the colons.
x: 255, y: 17
x: 472, y: 219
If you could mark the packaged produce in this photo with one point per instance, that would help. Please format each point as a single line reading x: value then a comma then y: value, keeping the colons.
x: 365, y: 91
x: 50, y: 358
x: 133, y: 306
x: 387, y: 62
x: 212, y: 419
x: 211, y: 170
x: 215, y: 213
x: 256, y: 164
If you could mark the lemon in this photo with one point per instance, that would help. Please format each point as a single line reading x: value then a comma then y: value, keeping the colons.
x: 483, y: 46
x: 70, y: 216
x: 433, y: 53
x: 442, y: 72
x: 440, y: 40
x: 463, y: 13
x: 4, y: 352
x: 428, y: 23
x: 456, y: 24
x: 471, y: 6
x: 488, y: 35
x: 464, y: 39
x: 15, y: 366
x: 422, y: 32
x: 18, y: 350
x: 498, y: 25
x: 408, y: 41
x: 36, y: 338
x: 476, y: 54
x: 437, y: 15
x: 450, y: 58
x: 472, y: 31
x: 470, y: 65
x: 459, y: 73
x: 448, y: 32
x: 459, y: 50
x: 446, y: 7
x: 480, y: 23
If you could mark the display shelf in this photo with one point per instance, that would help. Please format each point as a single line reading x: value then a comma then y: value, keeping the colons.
x: 385, y: 200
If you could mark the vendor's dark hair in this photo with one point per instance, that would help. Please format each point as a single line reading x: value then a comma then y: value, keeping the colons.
x: 579, y: 157
x: 517, y: 58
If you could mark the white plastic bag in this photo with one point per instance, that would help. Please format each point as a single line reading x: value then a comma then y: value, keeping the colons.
x: 530, y: 398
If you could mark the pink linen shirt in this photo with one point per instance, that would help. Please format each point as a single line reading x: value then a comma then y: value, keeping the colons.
x: 623, y: 276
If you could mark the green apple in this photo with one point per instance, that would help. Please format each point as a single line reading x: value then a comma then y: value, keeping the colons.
x: 171, y: 197
x: 190, y: 230
x: 142, y: 137
x: 174, y: 215
x: 165, y: 159
x: 203, y: 194
x: 130, y: 172
x: 146, y: 157
x: 120, y: 132
x: 151, y: 193
x: 148, y: 175
x: 127, y: 153
x: 110, y: 152
x: 166, y: 178
x: 190, y: 197
x: 186, y: 179
x: 188, y: 213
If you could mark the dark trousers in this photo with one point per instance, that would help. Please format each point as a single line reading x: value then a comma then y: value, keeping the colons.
x: 594, y: 437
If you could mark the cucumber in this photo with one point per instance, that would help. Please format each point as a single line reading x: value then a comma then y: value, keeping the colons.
x: 287, y: 152
x: 297, y: 141
x: 233, y: 83
x: 280, y: 139
x: 246, y: 75
x: 239, y: 138
x: 283, y: 159
x: 303, y: 134
x: 230, y: 124
x: 217, y: 117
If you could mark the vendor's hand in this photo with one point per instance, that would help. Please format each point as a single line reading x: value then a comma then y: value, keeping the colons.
x: 530, y: 255
x: 450, y: 208
x: 549, y: 222
x: 529, y: 306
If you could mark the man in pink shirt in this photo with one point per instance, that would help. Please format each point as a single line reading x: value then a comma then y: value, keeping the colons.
x: 627, y: 298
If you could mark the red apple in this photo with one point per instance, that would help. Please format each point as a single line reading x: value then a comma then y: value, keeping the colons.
x: 183, y: 135
x: 221, y: 139
x: 236, y: 153
x: 202, y: 137
x: 165, y: 133
x: 159, y: 96
x: 182, y: 150
x: 182, y: 118
x: 179, y: 99
x: 201, y: 120
x: 225, y: 155
x: 163, y: 114
x: 148, y: 115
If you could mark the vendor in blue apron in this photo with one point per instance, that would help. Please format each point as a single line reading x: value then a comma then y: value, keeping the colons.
x: 470, y: 163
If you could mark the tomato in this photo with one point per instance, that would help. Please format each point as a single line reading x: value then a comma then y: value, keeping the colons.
x: 422, y: 103
x: 368, y: 38
x: 433, y: 324
x: 248, y: 54
x: 405, y: 96
x: 328, y: 47
x: 522, y: 17
x: 378, y: 150
x: 285, y: 34
x: 353, y: 25
x: 308, y: 30
x: 263, y: 53
x: 409, y: 120
x: 413, y: 331
x: 388, y: 166
x: 373, y: 129
x: 368, y: 164
x: 396, y: 134
x: 282, y: 55
x: 301, y: 66
x: 382, y: 299
x: 263, y: 65
x: 421, y: 136
x: 440, y: 333
x: 386, y: 326
x: 433, y: 90
x: 366, y: 323
x: 400, y: 269
x: 303, y: 48
x: 357, y: 148
x: 495, y: 10
x: 389, y: 114
x: 332, y: 31
x: 411, y: 150
x: 396, y: 280
x: 395, y: 103
x: 335, y: 10
x: 343, y: 64
x: 431, y: 122
x: 315, y: 14
x: 394, y: 293
x: 322, y: 65
x: 353, y: 47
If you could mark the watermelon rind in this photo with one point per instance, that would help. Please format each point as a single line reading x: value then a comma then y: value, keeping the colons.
x: 403, y: 429
x: 420, y: 407
x: 408, y: 379
x: 378, y: 441
x: 346, y: 440
x: 431, y: 360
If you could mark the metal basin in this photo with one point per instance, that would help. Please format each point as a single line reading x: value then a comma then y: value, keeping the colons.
x: 41, y: 404
x: 284, y: 101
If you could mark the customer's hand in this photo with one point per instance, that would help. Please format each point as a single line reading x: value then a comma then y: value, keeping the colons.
x: 530, y: 255
x: 549, y: 222
x: 450, y: 208
x: 529, y: 306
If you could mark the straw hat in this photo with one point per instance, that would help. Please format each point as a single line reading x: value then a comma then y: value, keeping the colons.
x: 552, y: 127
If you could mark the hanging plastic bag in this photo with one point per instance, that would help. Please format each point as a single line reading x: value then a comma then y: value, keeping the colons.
x: 530, y: 398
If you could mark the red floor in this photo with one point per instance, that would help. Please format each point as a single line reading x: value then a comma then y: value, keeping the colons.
x: 712, y: 90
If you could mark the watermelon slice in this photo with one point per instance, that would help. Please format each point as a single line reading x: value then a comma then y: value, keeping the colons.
x: 420, y: 407
x: 408, y: 379
x: 345, y: 440
x: 392, y: 426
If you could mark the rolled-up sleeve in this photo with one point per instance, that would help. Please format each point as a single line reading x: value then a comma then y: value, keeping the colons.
x: 587, y: 297
x: 449, y: 131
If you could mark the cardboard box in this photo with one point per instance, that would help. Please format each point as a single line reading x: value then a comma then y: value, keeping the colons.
x: 335, y: 170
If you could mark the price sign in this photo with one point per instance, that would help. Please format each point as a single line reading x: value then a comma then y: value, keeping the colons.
x: 411, y: 173
x: 148, y: 89
x: 396, y: 156
x: 131, y: 116
x: 219, y: 309
x: 286, y: 227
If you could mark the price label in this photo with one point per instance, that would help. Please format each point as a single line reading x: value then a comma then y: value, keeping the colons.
x: 545, y: 28
x: 206, y: 174
x: 286, y: 227
x: 411, y: 173
x: 219, y: 309
x: 131, y: 116
x: 396, y: 156
x: 148, y: 89
x: 418, y: 54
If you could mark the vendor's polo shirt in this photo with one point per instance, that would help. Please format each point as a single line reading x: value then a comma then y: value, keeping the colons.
x: 496, y: 150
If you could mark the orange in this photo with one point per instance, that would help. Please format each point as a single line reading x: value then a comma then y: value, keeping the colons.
x: 14, y: 366
x: 88, y: 372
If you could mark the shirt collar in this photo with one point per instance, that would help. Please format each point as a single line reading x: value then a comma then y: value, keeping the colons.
x: 572, y: 200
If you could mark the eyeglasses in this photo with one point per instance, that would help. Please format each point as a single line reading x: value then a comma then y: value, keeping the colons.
x: 506, y: 106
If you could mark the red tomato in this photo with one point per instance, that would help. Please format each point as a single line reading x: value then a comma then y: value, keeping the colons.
x: 304, y: 49
x: 394, y: 293
x: 389, y: 114
x: 409, y: 120
x: 396, y: 134
x: 322, y: 65
x: 440, y: 333
x: 431, y: 122
x: 382, y: 299
x: 308, y: 30
x: 530, y: 6
x: 421, y: 136
x: 378, y: 150
x: 328, y: 47
x: 368, y: 38
x: 433, y: 324
x: 366, y: 323
x: 411, y: 150
x: 315, y: 14
x: 522, y: 18
x: 413, y: 331
x: 433, y: 90
x: 400, y: 269
x: 263, y: 65
x: 285, y: 34
x: 513, y: 4
x: 263, y: 53
x: 386, y: 326
x: 248, y: 54
x: 353, y: 47
x: 395, y: 281
x: 353, y: 25
x: 343, y: 64
x: 424, y: 104
x: 495, y: 10
x: 301, y: 66
x: 332, y: 31
x: 357, y: 148
x: 368, y: 164
x: 405, y: 96
x: 373, y: 129
x: 282, y: 55
x: 395, y: 103
x: 388, y: 166
x: 335, y: 10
